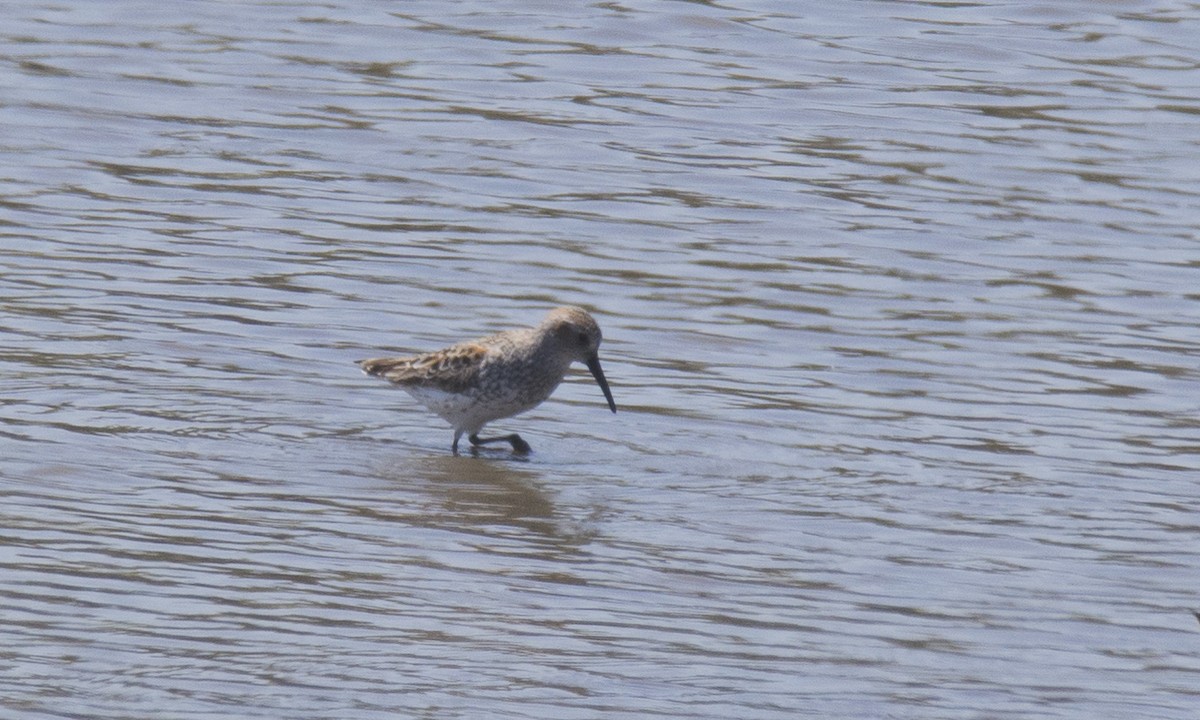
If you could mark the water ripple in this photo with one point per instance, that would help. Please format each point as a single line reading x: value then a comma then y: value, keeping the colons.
x: 897, y: 309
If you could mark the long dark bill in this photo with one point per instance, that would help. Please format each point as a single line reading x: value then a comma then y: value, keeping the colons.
x: 593, y: 364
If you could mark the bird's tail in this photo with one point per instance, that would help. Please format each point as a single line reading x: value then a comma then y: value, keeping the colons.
x: 381, y: 366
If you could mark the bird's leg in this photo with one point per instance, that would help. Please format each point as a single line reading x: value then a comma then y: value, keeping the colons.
x: 518, y: 445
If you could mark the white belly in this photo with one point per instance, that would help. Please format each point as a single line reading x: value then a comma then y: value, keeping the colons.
x: 466, y: 411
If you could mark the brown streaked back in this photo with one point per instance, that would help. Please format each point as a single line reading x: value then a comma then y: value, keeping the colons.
x: 453, y: 369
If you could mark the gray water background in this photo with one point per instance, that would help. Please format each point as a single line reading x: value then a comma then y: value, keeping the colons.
x: 900, y: 304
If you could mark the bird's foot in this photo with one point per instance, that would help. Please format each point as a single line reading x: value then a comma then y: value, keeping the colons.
x: 518, y: 444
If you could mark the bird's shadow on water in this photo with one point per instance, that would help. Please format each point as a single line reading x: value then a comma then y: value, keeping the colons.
x: 492, y: 492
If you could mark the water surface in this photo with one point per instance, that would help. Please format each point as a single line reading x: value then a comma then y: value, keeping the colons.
x: 900, y: 313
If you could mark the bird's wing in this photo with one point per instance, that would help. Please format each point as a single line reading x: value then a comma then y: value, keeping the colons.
x: 453, y: 369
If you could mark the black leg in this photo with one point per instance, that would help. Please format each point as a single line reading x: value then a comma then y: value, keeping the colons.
x: 518, y: 445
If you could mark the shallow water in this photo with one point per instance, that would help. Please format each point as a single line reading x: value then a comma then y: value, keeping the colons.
x: 899, y: 309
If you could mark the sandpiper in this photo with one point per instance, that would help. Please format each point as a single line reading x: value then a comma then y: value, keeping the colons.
x: 475, y: 382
